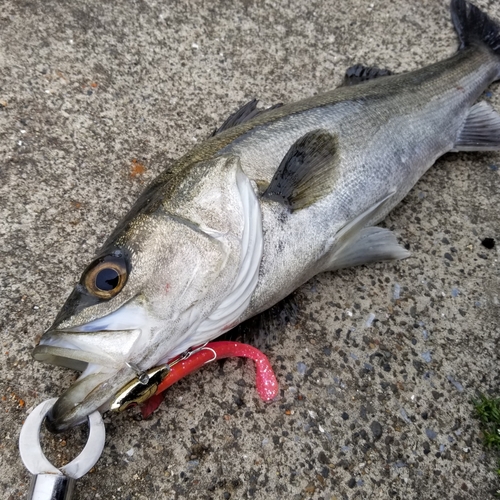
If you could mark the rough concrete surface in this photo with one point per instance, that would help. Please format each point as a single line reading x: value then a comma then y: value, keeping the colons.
x: 377, y: 372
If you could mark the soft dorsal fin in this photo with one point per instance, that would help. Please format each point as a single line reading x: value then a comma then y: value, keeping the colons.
x: 481, y: 130
x: 242, y: 115
x: 358, y: 74
x: 301, y: 178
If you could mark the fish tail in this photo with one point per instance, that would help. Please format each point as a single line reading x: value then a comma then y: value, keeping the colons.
x: 473, y: 26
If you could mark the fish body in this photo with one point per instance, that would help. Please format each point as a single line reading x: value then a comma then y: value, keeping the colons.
x: 269, y: 201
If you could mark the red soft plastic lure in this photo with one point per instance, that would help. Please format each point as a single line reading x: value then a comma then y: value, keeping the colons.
x: 265, y: 380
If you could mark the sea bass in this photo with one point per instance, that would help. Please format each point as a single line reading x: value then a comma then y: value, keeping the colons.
x: 270, y: 200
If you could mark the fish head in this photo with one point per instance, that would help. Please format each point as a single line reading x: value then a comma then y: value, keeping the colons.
x: 142, y: 300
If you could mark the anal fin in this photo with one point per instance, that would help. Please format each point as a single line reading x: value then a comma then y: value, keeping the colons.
x: 481, y: 130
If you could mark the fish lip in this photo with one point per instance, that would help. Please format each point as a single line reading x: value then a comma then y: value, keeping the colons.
x: 76, y: 349
x: 76, y: 359
x: 71, y: 409
x: 104, y: 373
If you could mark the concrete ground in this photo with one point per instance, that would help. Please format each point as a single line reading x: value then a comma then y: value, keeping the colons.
x: 378, y: 370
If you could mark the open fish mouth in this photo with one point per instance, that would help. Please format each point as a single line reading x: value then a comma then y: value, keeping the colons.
x: 101, y: 357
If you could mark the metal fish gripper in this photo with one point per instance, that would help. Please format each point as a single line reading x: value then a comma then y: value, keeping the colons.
x: 48, y: 482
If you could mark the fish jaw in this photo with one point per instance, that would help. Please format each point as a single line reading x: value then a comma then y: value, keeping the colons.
x: 102, y: 356
x: 89, y: 393
x: 109, y: 351
x: 77, y: 350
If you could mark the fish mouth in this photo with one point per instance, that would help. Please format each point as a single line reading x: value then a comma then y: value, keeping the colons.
x: 103, y: 359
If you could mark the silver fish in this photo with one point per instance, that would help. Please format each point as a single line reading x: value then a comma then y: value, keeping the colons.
x: 272, y: 199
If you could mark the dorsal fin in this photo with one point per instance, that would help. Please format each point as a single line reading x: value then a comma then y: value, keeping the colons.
x: 358, y: 74
x: 301, y: 178
x: 242, y: 115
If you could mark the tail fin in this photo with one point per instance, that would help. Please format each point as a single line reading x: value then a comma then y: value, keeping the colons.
x: 474, y: 26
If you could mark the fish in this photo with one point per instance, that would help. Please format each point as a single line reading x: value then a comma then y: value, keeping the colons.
x: 272, y: 198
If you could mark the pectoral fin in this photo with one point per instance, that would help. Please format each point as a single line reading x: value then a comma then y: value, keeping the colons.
x: 303, y: 175
x: 356, y: 244
x: 481, y: 130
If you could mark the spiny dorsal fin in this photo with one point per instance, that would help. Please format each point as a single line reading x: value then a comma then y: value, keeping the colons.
x: 301, y: 178
x: 359, y: 74
x: 481, y: 130
x: 245, y: 113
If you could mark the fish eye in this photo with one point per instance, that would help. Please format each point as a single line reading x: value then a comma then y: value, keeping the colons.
x: 105, y: 277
